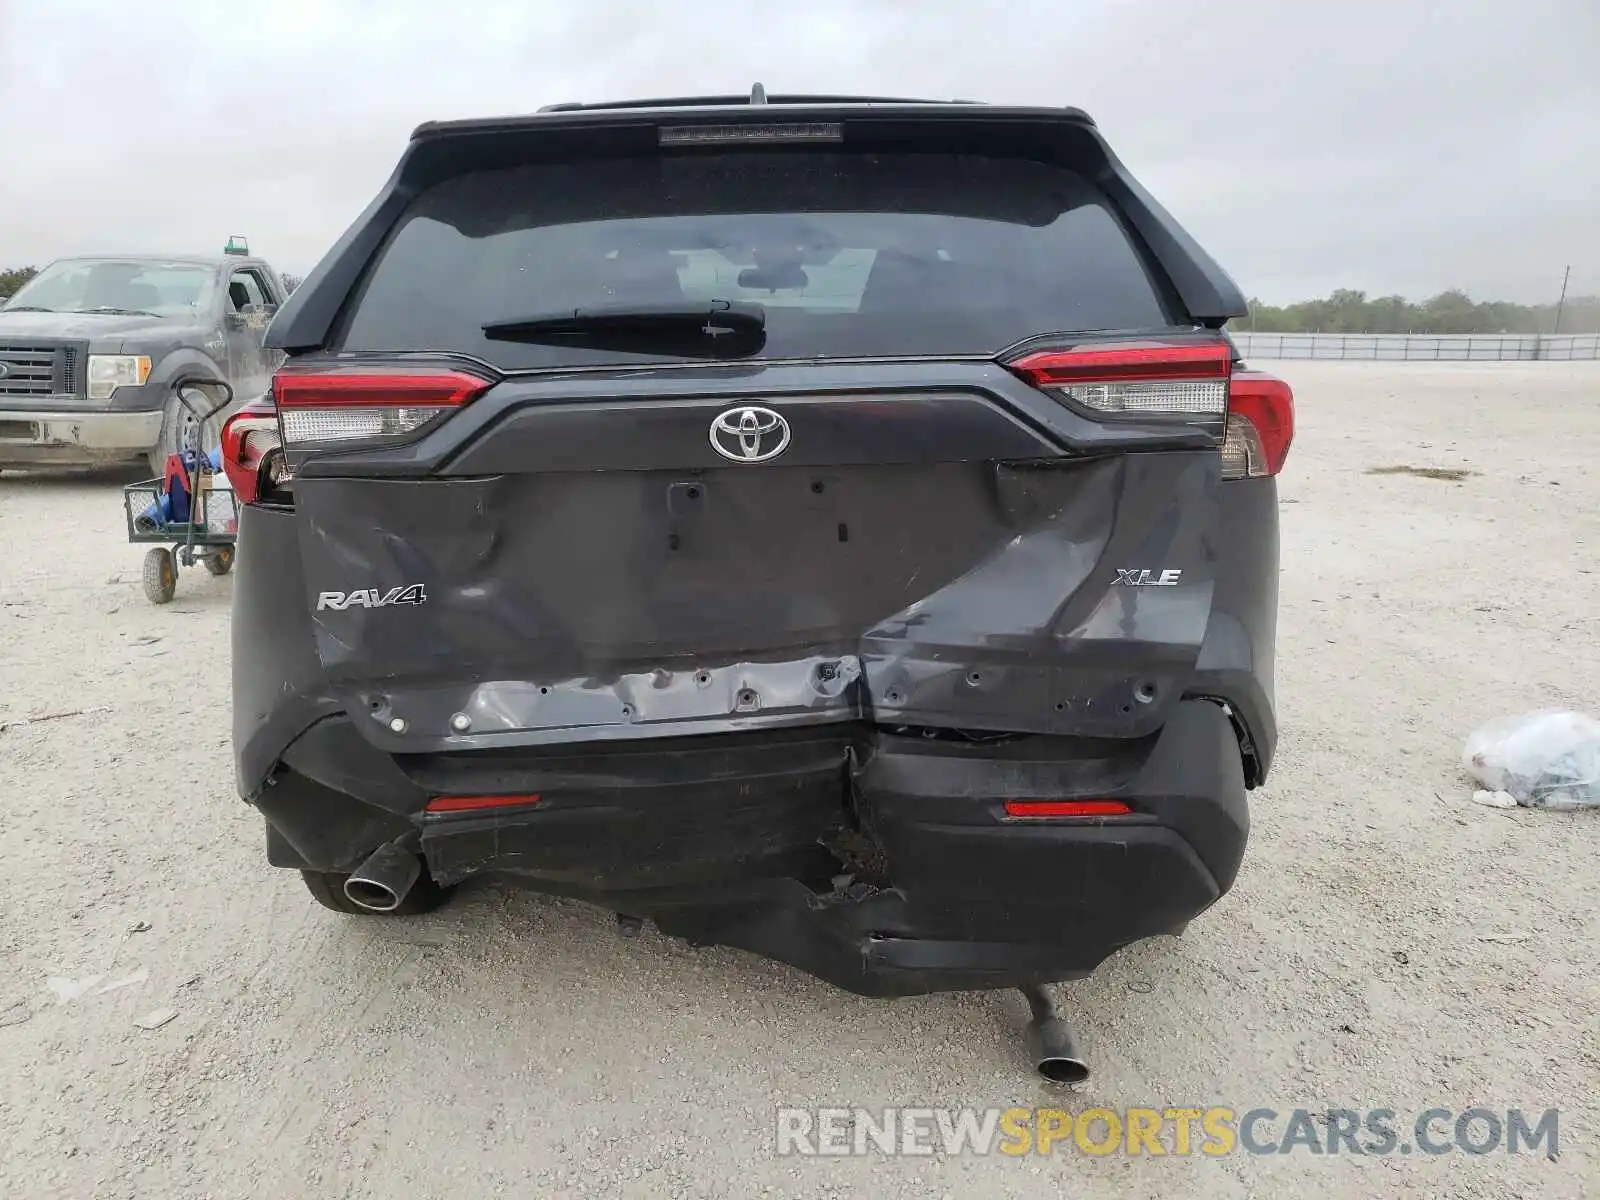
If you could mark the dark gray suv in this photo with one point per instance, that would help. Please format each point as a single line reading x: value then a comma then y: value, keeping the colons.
x: 838, y: 529
x: 90, y: 347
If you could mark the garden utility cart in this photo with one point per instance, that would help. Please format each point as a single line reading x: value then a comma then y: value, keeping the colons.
x: 182, y: 508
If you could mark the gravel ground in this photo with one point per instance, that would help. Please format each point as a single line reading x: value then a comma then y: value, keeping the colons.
x: 1388, y: 945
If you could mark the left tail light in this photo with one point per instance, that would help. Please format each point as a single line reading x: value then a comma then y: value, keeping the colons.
x: 316, y: 406
x: 321, y: 405
x: 252, y: 451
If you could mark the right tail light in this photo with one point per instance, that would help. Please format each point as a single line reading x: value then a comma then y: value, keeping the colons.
x: 1190, y: 382
x: 1260, y: 425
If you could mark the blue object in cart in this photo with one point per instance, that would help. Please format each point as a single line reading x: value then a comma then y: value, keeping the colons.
x: 156, y: 515
x: 172, y: 502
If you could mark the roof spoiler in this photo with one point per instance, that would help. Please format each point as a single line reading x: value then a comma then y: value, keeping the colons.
x: 758, y: 95
x: 442, y: 150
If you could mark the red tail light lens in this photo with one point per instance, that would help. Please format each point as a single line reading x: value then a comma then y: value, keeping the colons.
x: 1136, y: 379
x: 1047, y: 809
x: 344, y: 404
x: 252, y: 453
x: 1260, y: 425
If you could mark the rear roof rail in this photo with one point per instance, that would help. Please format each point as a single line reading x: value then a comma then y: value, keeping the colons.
x: 756, y: 95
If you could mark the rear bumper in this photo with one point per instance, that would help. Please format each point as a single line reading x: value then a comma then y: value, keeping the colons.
x: 884, y: 865
x: 55, y: 438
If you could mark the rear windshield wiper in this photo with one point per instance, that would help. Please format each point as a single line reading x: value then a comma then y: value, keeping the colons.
x: 707, y: 318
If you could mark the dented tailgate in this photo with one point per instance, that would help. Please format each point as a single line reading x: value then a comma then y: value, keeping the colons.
x: 576, y: 568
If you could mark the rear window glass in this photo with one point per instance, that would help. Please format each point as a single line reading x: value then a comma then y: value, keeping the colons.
x: 851, y: 254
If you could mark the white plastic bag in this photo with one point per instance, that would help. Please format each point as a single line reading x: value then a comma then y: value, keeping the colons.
x: 1549, y: 758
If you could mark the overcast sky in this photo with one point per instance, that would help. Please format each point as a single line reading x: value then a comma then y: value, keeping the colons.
x: 1390, y: 145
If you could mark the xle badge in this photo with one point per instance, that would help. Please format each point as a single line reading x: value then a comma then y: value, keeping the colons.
x: 410, y: 593
x: 1147, y: 578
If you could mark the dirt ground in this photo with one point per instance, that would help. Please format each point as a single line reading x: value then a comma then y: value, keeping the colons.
x: 1389, y: 944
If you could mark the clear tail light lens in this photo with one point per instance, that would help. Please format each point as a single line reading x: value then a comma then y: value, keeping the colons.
x: 303, y: 428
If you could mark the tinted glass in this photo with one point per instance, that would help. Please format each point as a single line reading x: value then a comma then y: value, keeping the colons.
x: 851, y: 254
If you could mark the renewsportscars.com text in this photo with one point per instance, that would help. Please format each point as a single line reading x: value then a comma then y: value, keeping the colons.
x: 1213, y: 1132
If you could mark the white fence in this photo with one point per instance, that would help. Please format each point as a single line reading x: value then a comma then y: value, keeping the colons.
x: 1429, y: 347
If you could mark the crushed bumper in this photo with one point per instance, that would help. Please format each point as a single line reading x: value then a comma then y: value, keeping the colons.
x: 883, y: 864
x: 56, y: 438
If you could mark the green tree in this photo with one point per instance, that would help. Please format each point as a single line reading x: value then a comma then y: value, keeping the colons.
x: 11, y: 281
x: 1451, y: 311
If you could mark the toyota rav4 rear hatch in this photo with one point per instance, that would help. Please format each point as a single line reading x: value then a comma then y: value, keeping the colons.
x: 645, y: 424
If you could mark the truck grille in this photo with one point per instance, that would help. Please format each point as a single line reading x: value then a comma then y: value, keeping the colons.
x: 39, y: 368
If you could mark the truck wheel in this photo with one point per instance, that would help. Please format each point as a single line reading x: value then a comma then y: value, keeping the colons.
x: 171, y: 437
x: 221, y: 562
x: 174, y: 427
x: 327, y: 887
x: 160, y: 575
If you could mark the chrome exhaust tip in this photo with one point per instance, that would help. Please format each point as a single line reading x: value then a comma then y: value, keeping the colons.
x: 1050, y: 1042
x: 380, y: 884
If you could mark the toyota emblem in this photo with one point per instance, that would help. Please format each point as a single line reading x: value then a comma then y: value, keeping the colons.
x: 749, y: 434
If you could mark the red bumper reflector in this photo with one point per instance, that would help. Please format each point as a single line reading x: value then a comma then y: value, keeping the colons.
x: 450, y: 804
x: 1066, y: 808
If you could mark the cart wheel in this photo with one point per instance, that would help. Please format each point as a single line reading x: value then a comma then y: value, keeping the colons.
x: 160, y: 576
x: 221, y: 562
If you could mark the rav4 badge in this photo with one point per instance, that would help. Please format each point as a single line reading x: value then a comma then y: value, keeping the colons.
x: 410, y: 593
